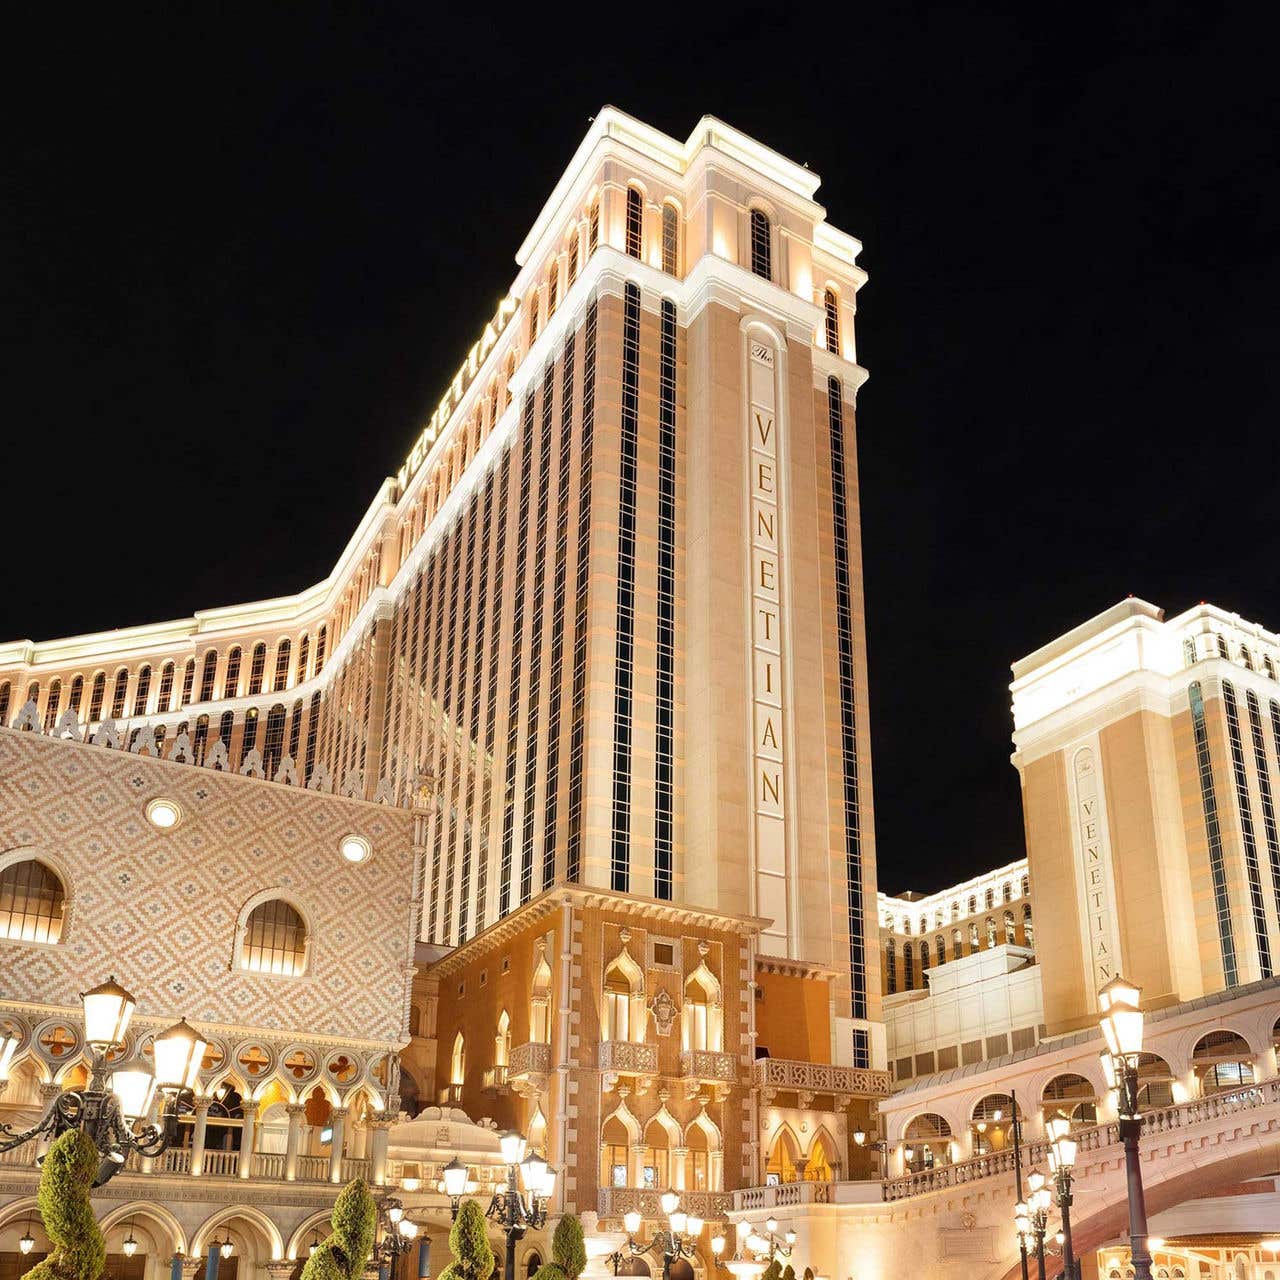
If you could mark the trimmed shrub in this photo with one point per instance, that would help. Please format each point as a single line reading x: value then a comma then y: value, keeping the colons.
x: 79, y: 1251
x: 568, y: 1252
x: 344, y: 1253
x: 469, y: 1243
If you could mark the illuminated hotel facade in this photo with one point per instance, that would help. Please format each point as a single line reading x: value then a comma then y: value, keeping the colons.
x: 580, y: 719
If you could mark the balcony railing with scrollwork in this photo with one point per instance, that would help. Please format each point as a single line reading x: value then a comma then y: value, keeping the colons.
x: 706, y: 1064
x: 628, y: 1058
x: 821, y: 1077
x: 533, y: 1058
x: 614, y: 1202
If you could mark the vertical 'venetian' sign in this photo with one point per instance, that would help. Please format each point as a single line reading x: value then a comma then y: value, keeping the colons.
x: 767, y: 761
x: 1094, y: 856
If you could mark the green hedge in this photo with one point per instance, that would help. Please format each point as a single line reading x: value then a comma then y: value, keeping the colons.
x: 79, y: 1251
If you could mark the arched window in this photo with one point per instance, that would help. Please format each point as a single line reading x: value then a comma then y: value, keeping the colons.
x: 31, y: 902
x: 98, y: 691
x: 282, y: 665
x: 1155, y: 1082
x: 165, y: 693
x: 1026, y: 886
x: 304, y: 652
x: 274, y: 939
x: 617, y: 1003
x: 77, y: 693
x: 989, y: 898
x: 926, y: 1142
x: 891, y: 965
x: 502, y: 1040
x: 533, y: 1264
x: 458, y: 1061
x: 118, y: 693
x: 1006, y: 891
x: 615, y: 1144
x: 593, y: 226
x: 955, y: 912
x: 140, y: 693
x: 249, y: 736
x: 1269, y: 665
x: 1223, y: 1060
x: 1010, y: 933
x: 207, y: 674
x: 940, y: 950
x: 957, y: 943
x: 1189, y: 651
x: 761, y: 247
x: 908, y: 968
x: 924, y: 957
x: 973, y: 904
x: 188, y: 682
x: 51, y: 707
x: 533, y: 316
x: 231, y: 681
x: 974, y: 944
x: 832, y: 307
x: 1222, y: 647
x: 295, y: 730
x: 33, y: 692
x: 1028, y: 929
x: 1073, y: 1096
x: 992, y: 1122
x: 553, y: 287
x: 635, y: 223
x: 991, y: 932
x: 201, y: 742
x: 572, y: 267
x: 1246, y: 657
x: 257, y: 668
x: 924, y: 924
x: 702, y: 1014
x: 906, y: 926
x: 670, y: 239
x: 321, y: 636
x: 273, y: 742
x: 4, y: 702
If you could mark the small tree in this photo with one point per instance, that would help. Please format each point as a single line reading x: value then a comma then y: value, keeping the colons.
x: 344, y: 1253
x: 79, y: 1251
x: 773, y: 1271
x: 568, y: 1252
x: 469, y: 1243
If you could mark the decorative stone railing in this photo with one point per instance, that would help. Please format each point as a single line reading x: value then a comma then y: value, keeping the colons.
x: 624, y: 1057
x: 821, y: 1077
x: 1165, y: 1120
x: 533, y: 1058
x: 785, y: 1195
x: 705, y: 1064
x: 614, y: 1202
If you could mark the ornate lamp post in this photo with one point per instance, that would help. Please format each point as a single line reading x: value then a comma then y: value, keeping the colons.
x: 1032, y: 1215
x: 119, y: 1097
x: 1121, y: 1023
x: 770, y: 1243
x: 513, y: 1212
x: 397, y: 1235
x: 739, y: 1267
x: 679, y: 1240
x: 1062, y: 1159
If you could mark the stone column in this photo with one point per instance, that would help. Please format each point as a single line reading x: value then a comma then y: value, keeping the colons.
x: 677, y: 1169
x: 338, y: 1119
x: 424, y: 1257
x: 381, y: 1130
x: 211, y: 1260
x: 248, y: 1136
x: 198, y: 1136
x: 635, y: 1174
x: 191, y: 1268
x: 280, y: 1270
x: 295, y: 1111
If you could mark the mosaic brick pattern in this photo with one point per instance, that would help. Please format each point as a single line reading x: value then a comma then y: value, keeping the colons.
x: 160, y: 909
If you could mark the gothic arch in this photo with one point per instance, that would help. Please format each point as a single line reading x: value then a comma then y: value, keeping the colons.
x: 317, y: 1222
x: 267, y: 1231
x: 170, y: 1229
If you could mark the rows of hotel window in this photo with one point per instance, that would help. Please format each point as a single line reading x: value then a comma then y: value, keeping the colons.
x: 988, y: 904
x: 173, y: 693
x: 1239, y: 760
x: 1257, y: 659
x: 269, y: 938
x: 912, y: 952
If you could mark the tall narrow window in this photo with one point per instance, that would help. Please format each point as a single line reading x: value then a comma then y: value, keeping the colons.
x: 761, y: 246
x: 1213, y: 833
x: 273, y: 742
x: 635, y: 223
x: 118, y: 694
x: 620, y: 841
x: 957, y: 943
x: 98, y: 692
x: 225, y: 725
x: 533, y: 316
x: 321, y: 636
x: 832, y: 308
x: 274, y: 939
x: 1189, y: 651
x: 5, y: 696
x: 207, y: 673
x: 51, y: 707
x: 313, y: 733
x: 165, y: 695
x: 891, y: 965
x: 991, y: 932
x: 231, y: 681
x: 77, y: 693
x: 249, y: 738
x: 295, y: 730
x: 940, y: 950
x: 304, y: 652
x: 282, y: 666
x: 201, y: 742
x: 553, y: 288
x: 257, y: 668
x: 582, y: 575
x: 573, y: 258
x: 973, y: 936
x: 989, y: 898
x: 664, y: 752
x: 140, y: 693
x: 670, y: 239
x: 1026, y: 886
x: 1265, y: 794
x: 593, y: 226
x: 848, y: 697
x: 1252, y: 869
x: 908, y: 968
x: 973, y: 904
x: 1028, y: 929
x: 1010, y: 932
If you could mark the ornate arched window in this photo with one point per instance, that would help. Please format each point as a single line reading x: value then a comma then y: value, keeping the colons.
x: 188, y: 682
x: 140, y: 693
x: 51, y: 707
x: 249, y: 736
x: 702, y: 1015
x: 274, y: 939
x: 1073, y: 1096
x: 1010, y: 933
x: 926, y: 1142
x: 200, y: 743
x: 957, y: 943
x: 670, y: 239
x: 76, y: 694
x: 31, y: 902
x: 502, y: 1040
x: 257, y: 668
x: 118, y: 693
x: 165, y: 693
x: 304, y: 652
x: 282, y: 665
x: 458, y: 1061
x: 974, y: 944
x: 224, y: 728
x: 989, y: 898
x: 97, y: 693
x: 321, y: 637
x: 761, y: 245
x: 207, y: 673
x: 940, y: 950
x: 831, y: 305
x: 973, y: 904
x: 231, y: 681
x: 635, y: 223
x: 908, y: 967
x: 273, y: 741
x: 1028, y: 929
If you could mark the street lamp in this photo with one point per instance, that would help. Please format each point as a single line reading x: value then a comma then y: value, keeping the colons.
x: 1062, y: 1159
x: 739, y: 1267
x: 397, y: 1235
x: 1031, y: 1216
x: 513, y: 1211
x: 770, y: 1243
x: 119, y: 1096
x: 1121, y: 1024
x: 129, y: 1246
x: 679, y: 1240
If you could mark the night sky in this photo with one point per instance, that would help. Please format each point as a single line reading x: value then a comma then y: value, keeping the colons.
x: 239, y: 260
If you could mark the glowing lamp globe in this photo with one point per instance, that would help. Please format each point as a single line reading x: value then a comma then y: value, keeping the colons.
x: 631, y: 1221
x: 107, y: 1010
x: 27, y: 1243
x: 679, y: 1222
x: 129, y: 1246
x: 134, y: 1087
x: 668, y: 1201
x: 512, y: 1144
x: 179, y: 1052
x: 455, y: 1178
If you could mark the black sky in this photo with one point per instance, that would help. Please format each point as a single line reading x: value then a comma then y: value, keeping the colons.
x: 240, y: 257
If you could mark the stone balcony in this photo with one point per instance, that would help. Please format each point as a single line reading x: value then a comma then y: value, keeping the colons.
x: 626, y: 1058
x: 529, y: 1067
x: 701, y: 1067
x: 813, y: 1079
x: 614, y: 1202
